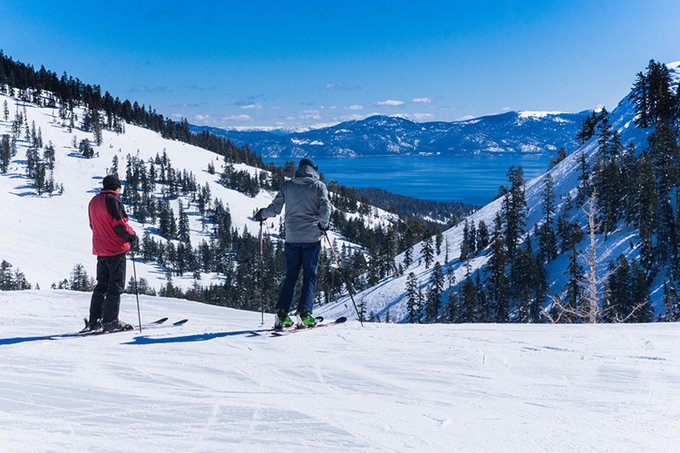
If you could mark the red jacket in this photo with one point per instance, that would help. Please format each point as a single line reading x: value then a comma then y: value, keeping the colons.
x: 111, y: 233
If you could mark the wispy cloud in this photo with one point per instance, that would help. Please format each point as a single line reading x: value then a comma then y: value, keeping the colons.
x: 422, y: 100
x: 356, y: 107
x: 254, y: 105
x: 250, y: 102
x: 390, y: 103
x: 339, y: 86
x: 237, y: 118
x: 146, y: 89
x: 357, y: 116
x: 309, y: 115
x: 200, y: 104
x: 420, y: 116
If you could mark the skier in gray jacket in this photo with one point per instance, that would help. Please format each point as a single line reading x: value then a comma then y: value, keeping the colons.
x: 308, y: 212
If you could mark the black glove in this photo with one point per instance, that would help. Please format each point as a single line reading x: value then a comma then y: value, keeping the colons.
x: 132, y: 240
x: 258, y: 215
x: 322, y: 228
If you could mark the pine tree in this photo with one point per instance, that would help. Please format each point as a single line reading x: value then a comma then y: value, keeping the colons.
x: 585, y: 188
x: 5, y: 153
x: 671, y: 301
x: 497, y: 280
x: 408, y: 257
x: 645, y: 211
x: 665, y: 154
x: 514, y: 210
x: 618, y: 299
x: 640, y: 294
x: 434, y: 294
x: 468, y: 300
x: 453, y: 310
x: 184, y: 232
x: 547, y: 239
x: 428, y: 252
x: 79, y: 280
x: 587, y: 128
x: 412, y: 302
x: 482, y: 236
x: 484, y: 309
x: 439, y: 239
x: 466, y: 249
x: 574, y: 296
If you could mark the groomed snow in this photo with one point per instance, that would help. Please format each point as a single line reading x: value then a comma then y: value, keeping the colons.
x: 207, y: 387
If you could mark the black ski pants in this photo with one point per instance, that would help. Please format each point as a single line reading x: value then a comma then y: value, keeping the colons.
x: 105, y: 302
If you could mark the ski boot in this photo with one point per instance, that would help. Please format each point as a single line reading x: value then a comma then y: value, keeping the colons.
x: 116, y: 326
x: 93, y: 327
x: 282, y: 320
x: 307, y: 320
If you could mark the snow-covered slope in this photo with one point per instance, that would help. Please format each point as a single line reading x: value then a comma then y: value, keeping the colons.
x: 208, y: 387
x: 46, y: 236
x: 389, y: 295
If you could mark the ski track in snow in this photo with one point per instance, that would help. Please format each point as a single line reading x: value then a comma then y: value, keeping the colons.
x: 208, y: 387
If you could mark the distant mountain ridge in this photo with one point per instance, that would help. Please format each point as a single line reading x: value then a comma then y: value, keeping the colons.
x: 511, y: 132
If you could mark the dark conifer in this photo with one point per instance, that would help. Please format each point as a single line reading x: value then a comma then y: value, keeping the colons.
x: 435, y: 291
x: 497, y: 281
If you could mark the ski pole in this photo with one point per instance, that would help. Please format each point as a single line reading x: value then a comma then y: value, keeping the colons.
x: 261, y: 272
x: 134, y: 271
x: 349, y: 289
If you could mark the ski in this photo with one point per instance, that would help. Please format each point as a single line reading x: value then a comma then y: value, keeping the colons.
x: 257, y: 333
x: 158, y: 324
x: 297, y: 329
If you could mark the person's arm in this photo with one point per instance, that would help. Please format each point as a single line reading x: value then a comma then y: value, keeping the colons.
x: 275, y: 207
x: 120, y: 220
x: 324, y: 206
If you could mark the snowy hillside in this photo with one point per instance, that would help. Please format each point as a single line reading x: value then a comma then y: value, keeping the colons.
x: 390, y: 295
x: 208, y: 387
x: 46, y: 236
x: 510, y: 132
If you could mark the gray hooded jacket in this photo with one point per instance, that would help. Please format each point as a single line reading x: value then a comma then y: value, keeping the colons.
x: 307, y: 205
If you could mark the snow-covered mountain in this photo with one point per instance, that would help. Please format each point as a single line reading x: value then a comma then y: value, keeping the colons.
x: 511, y: 132
x: 389, y: 296
x: 209, y: 387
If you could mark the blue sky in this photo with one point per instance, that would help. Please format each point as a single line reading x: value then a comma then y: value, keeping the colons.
x: 312, y: 63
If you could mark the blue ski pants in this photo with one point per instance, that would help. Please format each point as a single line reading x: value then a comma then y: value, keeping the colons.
x: 305, y: 256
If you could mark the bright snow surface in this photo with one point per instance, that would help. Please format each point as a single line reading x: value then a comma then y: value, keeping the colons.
x: 208, y: 387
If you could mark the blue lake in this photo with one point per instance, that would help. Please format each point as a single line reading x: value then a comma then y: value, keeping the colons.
x: 470, y: 179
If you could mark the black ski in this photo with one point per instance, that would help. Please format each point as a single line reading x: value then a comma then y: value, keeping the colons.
x: 158, y: 324
x: 256, y: 333
x: 297, y: 329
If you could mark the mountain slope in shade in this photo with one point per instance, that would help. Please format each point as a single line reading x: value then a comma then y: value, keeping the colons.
x: 511, y: 132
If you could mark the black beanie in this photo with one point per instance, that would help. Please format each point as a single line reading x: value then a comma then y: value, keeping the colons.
x: 308, y: 161
x: 111, y: 182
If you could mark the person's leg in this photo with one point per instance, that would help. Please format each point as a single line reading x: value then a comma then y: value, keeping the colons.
x: 310, y: 261
x: 293, y: 255
x: 116, y: 265
x: 99, y: 293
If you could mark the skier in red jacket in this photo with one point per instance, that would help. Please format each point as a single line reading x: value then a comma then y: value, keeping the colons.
x: 111, y: 240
